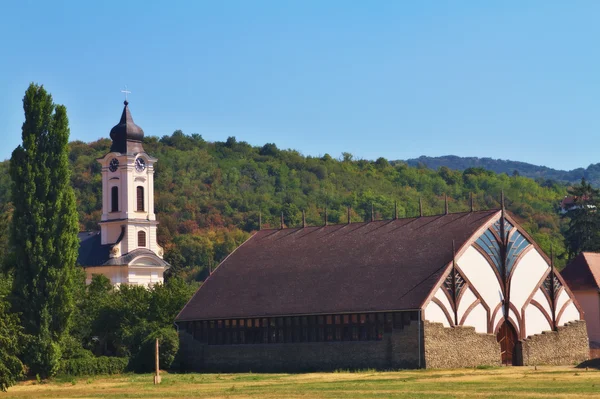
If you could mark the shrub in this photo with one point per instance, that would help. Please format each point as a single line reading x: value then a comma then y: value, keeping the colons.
x: 169, y: 345
x: 42, y: 355
x: 93, y: 365
x: 71, y: 348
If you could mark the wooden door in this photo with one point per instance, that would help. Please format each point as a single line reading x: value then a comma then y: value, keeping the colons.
x: 507, y: 337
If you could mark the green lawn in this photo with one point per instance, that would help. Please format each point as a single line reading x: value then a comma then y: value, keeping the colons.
x: 511, y: 382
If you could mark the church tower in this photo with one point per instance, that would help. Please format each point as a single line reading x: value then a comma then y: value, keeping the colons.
x: 128, y: 224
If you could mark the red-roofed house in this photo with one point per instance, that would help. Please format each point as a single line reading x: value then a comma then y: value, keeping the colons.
x: 583, y: 277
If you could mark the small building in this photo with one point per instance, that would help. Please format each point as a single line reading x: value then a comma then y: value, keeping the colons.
x: 125, y: 249
x: 583, y: 277
x: 384, y: 294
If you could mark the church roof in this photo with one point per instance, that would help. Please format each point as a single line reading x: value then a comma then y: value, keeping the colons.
x: 357, y: 267
x: 126, y: 135
x: 583, y: 272
x: 91, y: 250
x: 93, y: 253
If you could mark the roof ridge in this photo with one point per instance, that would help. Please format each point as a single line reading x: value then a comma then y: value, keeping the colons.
x: 492, y: 210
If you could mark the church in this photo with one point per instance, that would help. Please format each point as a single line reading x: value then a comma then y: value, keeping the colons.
x: 453, y: 290
x: 125, y: 249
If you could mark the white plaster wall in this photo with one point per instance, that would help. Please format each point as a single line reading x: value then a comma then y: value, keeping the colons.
x: 435, y: 314
x: 481, y: 275
x: 444, y: 299
x: 535, y: 321
x: 467, y: 299
x: 563, y: 297
x: 478, y: 319
x: 541, y: 298
x: 527, y: 273
x: 151, y: 215
x: 116, y: 274
x: 570, y: 314
x: 144, y: 276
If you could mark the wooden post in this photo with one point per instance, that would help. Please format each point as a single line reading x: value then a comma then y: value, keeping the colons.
x: 157, y: 376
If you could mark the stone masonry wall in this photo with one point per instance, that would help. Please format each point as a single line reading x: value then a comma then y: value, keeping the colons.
x: 399, y: 349
x: 567, y: 345
x: 453, y: 347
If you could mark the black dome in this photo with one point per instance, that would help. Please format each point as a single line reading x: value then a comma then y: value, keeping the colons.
x: 126, y: 131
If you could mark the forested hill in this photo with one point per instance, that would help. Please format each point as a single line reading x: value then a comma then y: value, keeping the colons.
x: 208, y: 195
x: 591, y: 173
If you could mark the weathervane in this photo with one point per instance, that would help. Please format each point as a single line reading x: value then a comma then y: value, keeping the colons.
x: 126, y: 92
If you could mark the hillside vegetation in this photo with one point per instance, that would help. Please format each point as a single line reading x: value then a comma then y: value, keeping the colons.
x: 540, y: 173
x: 208, y: 195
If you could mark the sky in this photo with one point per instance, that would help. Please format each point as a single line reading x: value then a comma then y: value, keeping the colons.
x: 508, y: 79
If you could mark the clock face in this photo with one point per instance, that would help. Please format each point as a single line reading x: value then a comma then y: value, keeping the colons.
x: 140, y: 165
x: 114, y: 164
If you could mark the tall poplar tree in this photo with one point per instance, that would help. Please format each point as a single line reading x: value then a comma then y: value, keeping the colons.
x: 43, y: 230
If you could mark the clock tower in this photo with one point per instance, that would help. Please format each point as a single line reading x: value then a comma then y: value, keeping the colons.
x: 127, y: 237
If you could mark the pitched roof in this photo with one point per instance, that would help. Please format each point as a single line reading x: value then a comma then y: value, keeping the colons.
x: 374, y: 266
x: 91, y: 250
x: 583, y: 272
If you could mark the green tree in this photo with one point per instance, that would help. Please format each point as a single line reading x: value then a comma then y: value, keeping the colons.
x: 583, y: 231
x: 43, y: 230
x: 11, y: 367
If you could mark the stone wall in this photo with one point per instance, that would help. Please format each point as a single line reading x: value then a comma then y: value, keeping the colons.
x: 567, y: 345
x: 453, y: 347
x: 399, y: 349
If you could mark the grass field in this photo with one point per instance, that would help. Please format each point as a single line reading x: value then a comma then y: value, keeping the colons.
x: 511, y: 382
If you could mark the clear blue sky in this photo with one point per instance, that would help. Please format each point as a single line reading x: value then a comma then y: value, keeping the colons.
x: 508, y: 79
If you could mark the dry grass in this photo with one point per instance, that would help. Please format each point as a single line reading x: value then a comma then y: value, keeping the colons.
x: 511, y: 382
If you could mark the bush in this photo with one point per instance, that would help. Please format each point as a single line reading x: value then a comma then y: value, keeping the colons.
x: 93, y: 365
x: 11, y: 368
x: 71, y: 348
x: 169, y: 345
x: 42, y: 355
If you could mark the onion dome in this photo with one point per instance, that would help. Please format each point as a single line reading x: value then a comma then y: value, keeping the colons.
x: 126, y: 135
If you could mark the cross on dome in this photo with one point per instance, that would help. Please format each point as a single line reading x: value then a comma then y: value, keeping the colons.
x: 126, y: 92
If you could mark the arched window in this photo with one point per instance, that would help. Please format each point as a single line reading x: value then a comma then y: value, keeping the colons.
x: 114, y: 199
x: 141, y: 238
x: 140, y: 199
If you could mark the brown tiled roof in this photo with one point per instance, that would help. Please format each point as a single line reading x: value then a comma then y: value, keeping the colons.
x: 583, y: 272
x: 375, y: 266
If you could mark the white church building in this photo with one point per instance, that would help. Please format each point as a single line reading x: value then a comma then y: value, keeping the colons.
x: 125, y: 249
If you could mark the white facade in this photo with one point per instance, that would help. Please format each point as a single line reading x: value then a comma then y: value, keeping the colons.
x: 535, y: 299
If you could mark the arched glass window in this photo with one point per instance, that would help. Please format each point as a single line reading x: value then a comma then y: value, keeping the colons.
x: 141, y: 238
x: 140, y: 199
x: 114, y: 199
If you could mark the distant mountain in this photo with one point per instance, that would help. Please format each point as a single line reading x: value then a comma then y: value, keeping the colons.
x: 591, y: 173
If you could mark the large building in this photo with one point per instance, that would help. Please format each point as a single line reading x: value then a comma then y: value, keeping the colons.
x: 384, y: 294
x: 125, y: 249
